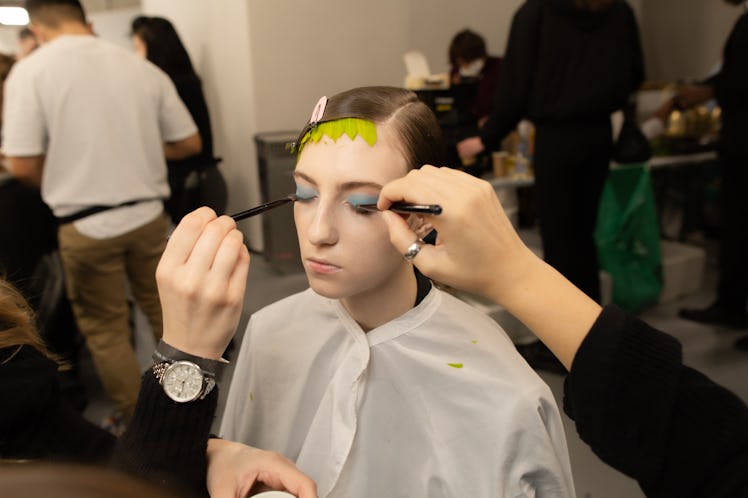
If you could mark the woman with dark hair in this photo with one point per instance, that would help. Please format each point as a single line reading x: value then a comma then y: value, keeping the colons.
x: 156, y: 39
x: 373, y: 381
x: 470, y: 62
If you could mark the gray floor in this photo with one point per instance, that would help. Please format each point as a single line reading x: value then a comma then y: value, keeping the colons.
x: 706, y: 348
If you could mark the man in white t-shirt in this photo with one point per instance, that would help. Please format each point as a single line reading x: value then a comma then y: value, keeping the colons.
x: 91, y: 124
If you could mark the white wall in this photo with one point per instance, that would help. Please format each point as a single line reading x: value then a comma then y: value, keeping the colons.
x: 114, y: 25
x: 8, y: 37
x: 684, y: 39
x: 265, y: 63
x: 216, y: 35
x: 302, y: 50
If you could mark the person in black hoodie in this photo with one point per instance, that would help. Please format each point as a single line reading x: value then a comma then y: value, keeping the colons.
x: 568, y: 65
x: 730, y: 87
x: 156, y: 39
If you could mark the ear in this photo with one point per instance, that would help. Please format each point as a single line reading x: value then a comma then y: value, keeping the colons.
x: 39, y: 32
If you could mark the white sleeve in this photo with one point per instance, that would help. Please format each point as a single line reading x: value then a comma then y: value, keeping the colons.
x: 540, y: 465
x: 174, y: 120
x: 234, y: 420
x: 24, y: 126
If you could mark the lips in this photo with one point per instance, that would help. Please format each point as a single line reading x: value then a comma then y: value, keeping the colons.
x: 321, y: 266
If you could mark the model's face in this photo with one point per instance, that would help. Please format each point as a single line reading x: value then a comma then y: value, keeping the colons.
x: 346, y: 253
x: 139, y: 46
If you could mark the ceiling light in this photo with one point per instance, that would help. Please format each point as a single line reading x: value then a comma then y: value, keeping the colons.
x: 14, y: 16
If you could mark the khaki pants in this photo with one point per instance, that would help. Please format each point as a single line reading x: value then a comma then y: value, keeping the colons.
x: 96, y: 271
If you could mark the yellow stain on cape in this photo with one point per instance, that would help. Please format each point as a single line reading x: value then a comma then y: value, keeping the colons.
x: 455, y: 365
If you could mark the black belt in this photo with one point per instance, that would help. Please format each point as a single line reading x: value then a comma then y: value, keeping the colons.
x: 91, y: 210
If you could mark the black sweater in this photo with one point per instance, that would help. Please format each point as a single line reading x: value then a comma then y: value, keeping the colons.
x: 565, y: 65
x: 731, y: 90
x: 646, y: 414
x: 36, y: 421
x: 165, y: 442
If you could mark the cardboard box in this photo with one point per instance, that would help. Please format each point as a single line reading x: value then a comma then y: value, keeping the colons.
x: 682, y: 269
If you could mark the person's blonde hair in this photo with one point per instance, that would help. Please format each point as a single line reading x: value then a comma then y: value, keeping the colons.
x: 17, y: 323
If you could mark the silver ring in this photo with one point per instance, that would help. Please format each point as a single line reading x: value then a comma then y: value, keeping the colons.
x: 413, y: 250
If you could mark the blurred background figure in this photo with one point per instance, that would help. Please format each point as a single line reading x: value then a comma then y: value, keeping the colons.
x: 473, y: 77
x: 194, y: 181
x: 27, y: 43
x: 107, y: 194
x: 76, y: 481
x: 470, y: 63
x: 36, y: 421
x: 568, y: 65
x: 30, y: 261
x: 23, y: 238
x: 730, y: 87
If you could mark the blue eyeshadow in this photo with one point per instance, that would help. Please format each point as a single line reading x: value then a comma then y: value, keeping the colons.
x: 305, y: 193
x: 358, y: 199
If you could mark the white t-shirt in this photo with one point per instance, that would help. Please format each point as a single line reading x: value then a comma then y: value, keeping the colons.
x: 100, y: 114
x: 436, y: 403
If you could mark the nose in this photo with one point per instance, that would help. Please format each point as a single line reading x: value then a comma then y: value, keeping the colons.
x: 323, y: 230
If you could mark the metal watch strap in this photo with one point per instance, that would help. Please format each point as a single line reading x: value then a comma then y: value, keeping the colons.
x: 209, y: 381
x: 166, y: 352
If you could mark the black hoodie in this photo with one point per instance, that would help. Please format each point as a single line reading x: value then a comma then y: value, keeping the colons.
x: 565, y: 65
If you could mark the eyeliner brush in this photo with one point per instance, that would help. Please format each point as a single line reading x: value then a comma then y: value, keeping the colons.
x: 262, y: 208
x: 406, y: 207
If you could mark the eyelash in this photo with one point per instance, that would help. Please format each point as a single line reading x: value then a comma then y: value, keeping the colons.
x: 358, y: 210
x: 304, y: 195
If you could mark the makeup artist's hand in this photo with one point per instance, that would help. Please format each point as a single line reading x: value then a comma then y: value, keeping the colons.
x: 477, y: 249
x: 234, y: 469
x: 201, y: 280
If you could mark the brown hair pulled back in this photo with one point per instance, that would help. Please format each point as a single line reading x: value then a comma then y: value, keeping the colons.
x: 410, y: 119
x: 17, y: 326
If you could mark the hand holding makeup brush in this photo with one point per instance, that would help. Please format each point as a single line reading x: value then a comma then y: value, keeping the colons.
x: 201, y: 280
x: 476, y: 245
x: 478, y: 250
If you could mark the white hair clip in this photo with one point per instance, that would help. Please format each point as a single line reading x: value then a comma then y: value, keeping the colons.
x: 319, y: 111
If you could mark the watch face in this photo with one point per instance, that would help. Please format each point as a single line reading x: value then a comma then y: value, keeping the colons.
x: 183, y: 381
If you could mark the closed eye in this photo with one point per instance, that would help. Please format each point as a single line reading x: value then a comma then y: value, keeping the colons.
x: 357, y: 200
x: 304, y: 194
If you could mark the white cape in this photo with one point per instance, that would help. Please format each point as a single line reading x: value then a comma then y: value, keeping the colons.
x: 436, y: 403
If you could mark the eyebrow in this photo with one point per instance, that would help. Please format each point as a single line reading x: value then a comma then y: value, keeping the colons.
x: 344, y: 186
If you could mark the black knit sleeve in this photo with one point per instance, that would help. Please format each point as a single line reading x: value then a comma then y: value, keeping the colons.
x: 166, y: 442
x: 646, y: 414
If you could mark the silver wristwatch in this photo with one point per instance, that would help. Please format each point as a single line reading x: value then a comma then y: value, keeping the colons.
x: 183, y: 381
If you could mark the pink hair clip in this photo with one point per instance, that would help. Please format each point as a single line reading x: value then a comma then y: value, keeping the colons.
x: 319, y: 111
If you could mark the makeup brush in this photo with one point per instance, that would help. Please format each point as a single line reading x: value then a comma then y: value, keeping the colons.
x: 262, y: 208
x: 405, y: 207
x: 398, y: 207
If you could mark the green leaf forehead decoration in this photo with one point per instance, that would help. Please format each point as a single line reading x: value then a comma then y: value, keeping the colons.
x: 337, y: 128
